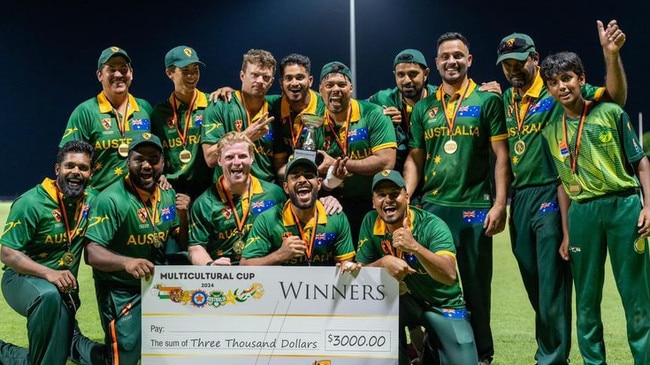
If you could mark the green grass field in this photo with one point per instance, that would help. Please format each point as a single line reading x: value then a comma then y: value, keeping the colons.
x: 512, y: 316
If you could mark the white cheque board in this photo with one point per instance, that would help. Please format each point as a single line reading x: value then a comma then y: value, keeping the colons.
x: 271, y: 315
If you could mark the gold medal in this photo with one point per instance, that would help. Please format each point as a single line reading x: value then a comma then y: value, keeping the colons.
x: 157, y: 243
x: 403, y: 288
x: 575, y: 188
x: 123, y: 149
x: 67, y: 258
x: 185, y: 156
x: 238, y: 246
x: 520, y: 147
x: 450, y: 147
x: 639, y: 245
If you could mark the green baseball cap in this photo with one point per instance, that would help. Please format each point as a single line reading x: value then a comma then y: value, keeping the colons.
x: 516, y: 46
x: 300, y: 161
x: 388, y: 175
x: 111, y: 52
x: 335, y: 67
x: 145, y: 138
x: 182, y: 56
x: 410, y: 56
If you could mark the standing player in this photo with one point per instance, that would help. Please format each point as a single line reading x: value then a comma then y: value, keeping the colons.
x: 600, y: 164
x: 300, y: 233
x: 248, y: 112
x: 222, y: 216
x: 109, y: 120
x: 417, y: 249
x: 535, y: 222
x: 177, y: 122
x: 41, y: 250
x: 452, y: 135
x: 131, y: 222
x: 411, y: 80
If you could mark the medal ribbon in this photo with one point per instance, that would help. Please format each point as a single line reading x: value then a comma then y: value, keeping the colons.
x: 406, y: 113
x: 451, y: 121
x: 310, y: 242
x: 342, y: 142
x: 154, y: 202
x: 244, y: 207
x: 71, y: 234
x: 188, y: 117
x: 581, y: 124
x: 121, y: 124
x: 520, y: 118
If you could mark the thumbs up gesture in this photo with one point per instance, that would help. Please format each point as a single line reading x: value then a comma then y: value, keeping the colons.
x: 403, y: 237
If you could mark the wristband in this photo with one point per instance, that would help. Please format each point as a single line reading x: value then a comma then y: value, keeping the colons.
x: 330, y: 180
x: 209, y: 263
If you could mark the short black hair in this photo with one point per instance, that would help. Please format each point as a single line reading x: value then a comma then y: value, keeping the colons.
x: 452, y: 36
x: 559, y: 63
x: 75, y: 146
x: 295, y: 59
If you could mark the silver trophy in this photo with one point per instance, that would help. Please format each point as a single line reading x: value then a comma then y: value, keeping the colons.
x: 308, y: 150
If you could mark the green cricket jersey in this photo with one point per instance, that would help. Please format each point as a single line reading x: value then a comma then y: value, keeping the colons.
x: 36, y: 226
x: 178, y: 131
x: 608, y: 147
x: 290, y: 125
x: 213, y: 223
x: 460, y: 178
x: 222, y: 117
x: 368, y: 131
x: 537, y: 107
x: 121, y: 222
x: 95, y: 121
x: 332, y: 241
x: 432, y: 233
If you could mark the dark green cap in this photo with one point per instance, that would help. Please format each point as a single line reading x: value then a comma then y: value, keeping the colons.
x: 145, y: 138
x: 335, y: 67
x: 111, y: 52
x: 388, y: 175
x: 182, y: 56
x: 410, y: 56
x: 300, y: 161
x: 516, y: 46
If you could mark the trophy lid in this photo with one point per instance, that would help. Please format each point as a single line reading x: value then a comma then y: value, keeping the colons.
x: 312, y: 120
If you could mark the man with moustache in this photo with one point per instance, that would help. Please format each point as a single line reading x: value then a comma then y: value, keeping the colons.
x: 109, y: 120
x: 131, y: 222
x: 300, y: 233
x: 356, y: 129
x: 452, y: 135
x: 417, y: 249
x: 535, y: 224
x: 411, y: 80
x: 222, y: 216
x: 177, y: 122
x: 41, y: 250
x: 248, y: 112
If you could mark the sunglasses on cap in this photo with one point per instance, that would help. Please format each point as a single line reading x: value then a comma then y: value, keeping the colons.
x: 514, y: 45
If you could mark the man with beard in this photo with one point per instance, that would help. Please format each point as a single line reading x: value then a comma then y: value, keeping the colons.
x: 452, y: 134
x: 222, y: 216
x: 177, y: 122
x: 417, y: 249
x: 109, y: 120
x: 356, y: 129
x: 248, y: 112
x: 131, y: 222
x: 535, y: 224
x: 300, y: 233
x: 411, y: 76
x: 41, y: 249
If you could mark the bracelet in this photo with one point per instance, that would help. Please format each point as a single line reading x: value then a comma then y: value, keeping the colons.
x: 330, y: 180
x: 209, y: 263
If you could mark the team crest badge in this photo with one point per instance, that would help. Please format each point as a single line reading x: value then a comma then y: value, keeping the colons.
x: 187, y: 51
x: 433, y: 112
x: 226, y: 213
x: 286, y: 234
x: 385, y: 173
x: 239, y: 124
x: 170, y: 122
x: 142, y: 215
x: 327, y: 143
x: 511, y: 109
x: 57, y: 215
x: 106, y: 123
